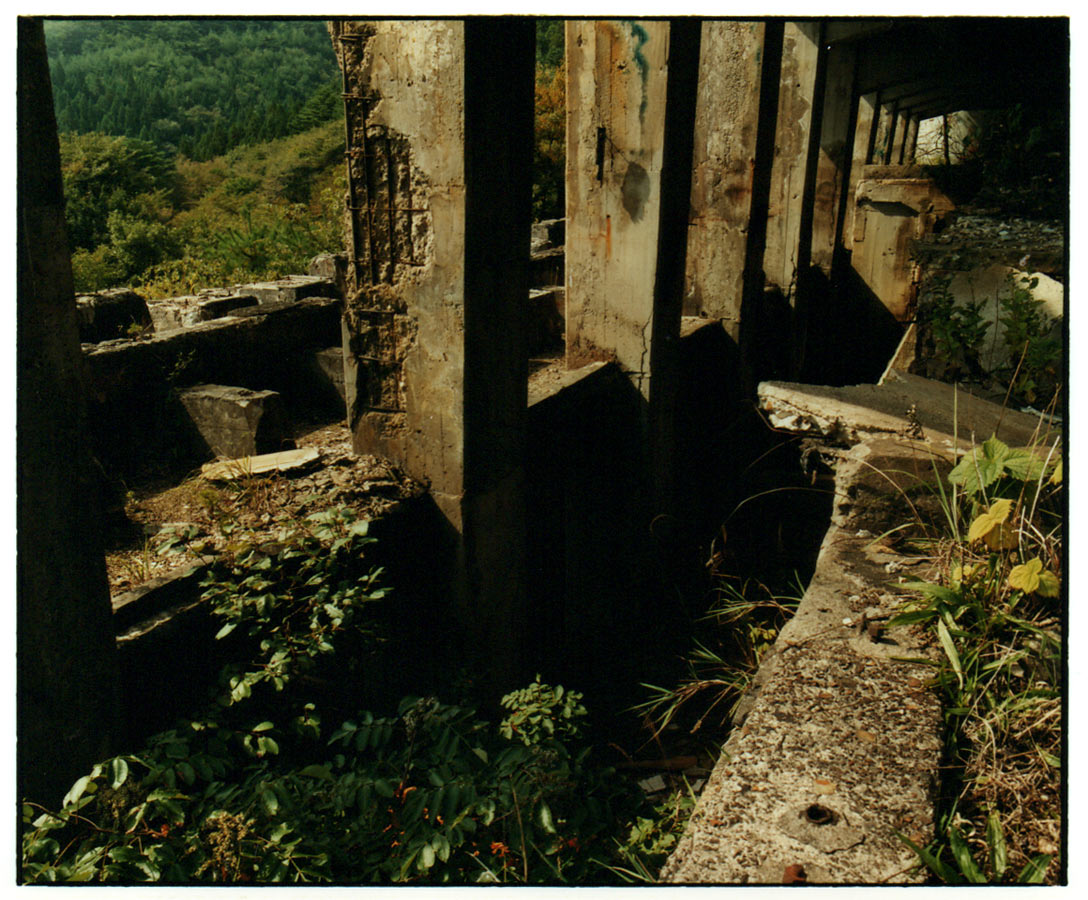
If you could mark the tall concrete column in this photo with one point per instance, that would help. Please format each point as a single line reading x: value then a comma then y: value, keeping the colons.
x: 792, y: 171
x: 439, y: 135
x: 910, y: 142
x: 833, y: 165
x: 902, y: 125
x: 631, y: 108
x: 724, y: 170
x: 884, y: 126
x: 616, y: 82
x: 864, y: 138
x: 67, y: 703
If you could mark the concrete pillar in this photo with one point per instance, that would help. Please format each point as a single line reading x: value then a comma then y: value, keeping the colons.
x: 616, y: 83
x: 902, y: 124
x: 724, y: 165
x: 834, y: 159
x: 910, y: 143
x: 792, y: 172
x: 864, y: 136
x: 440, y: 124
x: 631, y: 107
x: 884, y: 126
x: 67, y: 703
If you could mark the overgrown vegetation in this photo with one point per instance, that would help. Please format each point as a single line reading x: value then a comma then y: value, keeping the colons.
x: 994, y: 608
x: 550, y: 141
x: 262, y: 786
x: 1018, y: 352
x: 174, y: 227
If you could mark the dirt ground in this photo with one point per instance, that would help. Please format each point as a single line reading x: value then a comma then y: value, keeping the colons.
x: 257, y: 503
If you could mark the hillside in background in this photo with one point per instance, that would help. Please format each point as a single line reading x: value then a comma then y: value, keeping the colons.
x: 197, y: 87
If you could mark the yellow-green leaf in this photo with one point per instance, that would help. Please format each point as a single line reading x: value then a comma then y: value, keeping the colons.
x: 1049, y: 586
x: 1025, y: 577
x: 987, y: 521
x: 1056, y: 475
x: 1001, y: 537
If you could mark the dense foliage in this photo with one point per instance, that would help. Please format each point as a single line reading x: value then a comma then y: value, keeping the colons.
x: 173, y: 226
x: 994, y: 608
x: 258, y: 788
x: 197, y: 87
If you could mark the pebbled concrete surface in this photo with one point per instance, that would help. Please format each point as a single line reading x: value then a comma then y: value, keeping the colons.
x: 836, y: 747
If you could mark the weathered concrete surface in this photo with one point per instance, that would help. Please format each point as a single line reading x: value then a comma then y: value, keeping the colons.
x: 723, y: 168
x: 893, y: 206
x: 172, y: 313
x: 439, y: 137
x: 237, y: 422
x: 616, y: 87
x: 838, y: 743
x: 902, y: 405
x: 155, y: 598
x: 106, y: 315
x: 290, y: 289
x: 791, y: 173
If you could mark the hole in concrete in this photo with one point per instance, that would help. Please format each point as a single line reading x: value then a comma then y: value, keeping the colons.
x: 815, y: 814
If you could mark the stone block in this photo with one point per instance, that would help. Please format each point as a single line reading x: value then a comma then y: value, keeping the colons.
x: 110, y: 314
x: 172, y: 313
x: 328, y: 366
x: 290, y: 289
x: 236, y: 422
x: 332, y: 267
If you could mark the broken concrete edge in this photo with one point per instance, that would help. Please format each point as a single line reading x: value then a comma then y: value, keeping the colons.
x: 568, y: 381
x: 944, y: 416
x: 156, y: 597
x: 835, y: 750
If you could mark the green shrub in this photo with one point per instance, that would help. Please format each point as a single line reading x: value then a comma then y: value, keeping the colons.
x: 258, y: 789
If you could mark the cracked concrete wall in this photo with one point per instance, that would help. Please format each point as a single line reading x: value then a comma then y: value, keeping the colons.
x: 616, y: 83
x: 404, y: 354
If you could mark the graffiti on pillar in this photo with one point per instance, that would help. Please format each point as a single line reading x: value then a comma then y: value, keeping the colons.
x: 641, y: 37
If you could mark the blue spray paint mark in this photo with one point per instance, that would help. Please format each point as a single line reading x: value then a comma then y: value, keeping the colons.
x: 640, y: 35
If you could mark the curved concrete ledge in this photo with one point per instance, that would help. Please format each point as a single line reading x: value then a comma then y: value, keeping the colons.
x: 836, y: 747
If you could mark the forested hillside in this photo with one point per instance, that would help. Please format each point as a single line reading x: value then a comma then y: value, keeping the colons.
x: 200, y: 153
x: 197, y: 87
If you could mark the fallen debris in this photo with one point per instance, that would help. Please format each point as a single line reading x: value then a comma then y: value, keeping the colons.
x: 284, y: 461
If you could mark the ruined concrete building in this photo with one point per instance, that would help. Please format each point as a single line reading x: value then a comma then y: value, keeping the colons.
x: 743, y: 208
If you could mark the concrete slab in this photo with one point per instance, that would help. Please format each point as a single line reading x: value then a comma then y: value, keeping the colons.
x: 904, y: 404
x: 837, y: 745
x: 284, y: 461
